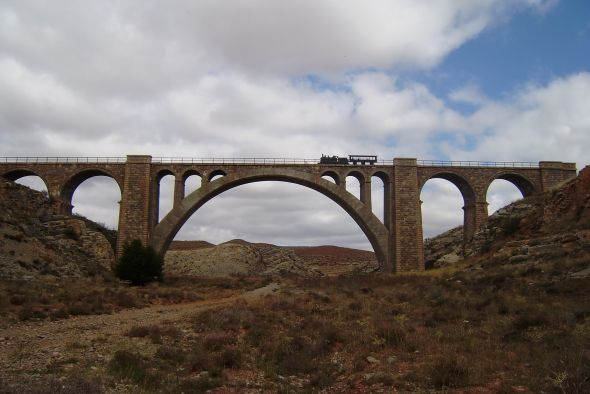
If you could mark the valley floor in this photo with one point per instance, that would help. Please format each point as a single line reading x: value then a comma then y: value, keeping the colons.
x: 519, y: 328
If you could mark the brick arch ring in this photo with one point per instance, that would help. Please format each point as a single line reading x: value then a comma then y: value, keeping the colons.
x: 374, y: 230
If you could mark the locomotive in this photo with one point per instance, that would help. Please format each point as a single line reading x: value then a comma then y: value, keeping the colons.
x: 351, y: 159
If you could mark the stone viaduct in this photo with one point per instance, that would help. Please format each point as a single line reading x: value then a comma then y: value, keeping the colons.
x: 397, y: 241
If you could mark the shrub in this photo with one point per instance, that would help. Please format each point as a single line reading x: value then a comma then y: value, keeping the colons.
x: 447, y: 371
x: 131, y: 366
x: 139, y: 264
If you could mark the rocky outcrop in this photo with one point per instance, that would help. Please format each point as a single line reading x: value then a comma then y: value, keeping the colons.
x: 242, y: 257
x: 213, y: 261
x: 236, y: 257
x: 444, y: 249
x: 550, y: 226
x: 35, y: 240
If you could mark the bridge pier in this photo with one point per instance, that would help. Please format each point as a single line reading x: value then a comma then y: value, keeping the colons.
x: 365, y: 193
x: 179, y: 190
x: 405, y: 232
x: 136, y: 213
x: 474, y: 216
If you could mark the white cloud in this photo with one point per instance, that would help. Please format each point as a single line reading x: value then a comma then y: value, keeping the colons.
x: 206, y: 79
x: 537, y: 123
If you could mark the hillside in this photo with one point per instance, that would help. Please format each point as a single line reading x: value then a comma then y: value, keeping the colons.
x: 36, y: 241
x: 547, y: 227
x: 513, y: 317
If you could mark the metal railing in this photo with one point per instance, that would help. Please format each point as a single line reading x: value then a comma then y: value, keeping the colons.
x: 232, y: 160
x: 468, y: 163
x: 53, y: 160
x: 244, y: 160
x: 257, y: 160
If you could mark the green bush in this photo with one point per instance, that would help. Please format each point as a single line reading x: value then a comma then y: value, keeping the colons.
x: 139, y: 264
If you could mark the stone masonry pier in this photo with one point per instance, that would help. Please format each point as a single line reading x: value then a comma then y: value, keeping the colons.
x: 397, y: 241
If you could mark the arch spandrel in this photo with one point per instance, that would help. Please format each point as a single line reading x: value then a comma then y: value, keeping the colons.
x: 375, y: 231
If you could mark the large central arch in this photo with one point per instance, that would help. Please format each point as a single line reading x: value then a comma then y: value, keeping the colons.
x: 375, y: 231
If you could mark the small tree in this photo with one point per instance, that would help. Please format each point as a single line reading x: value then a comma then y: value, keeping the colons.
x: 139, y: 264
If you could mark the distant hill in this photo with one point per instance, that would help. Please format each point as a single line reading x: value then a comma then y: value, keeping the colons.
x: 242, y: 257
x: 189, y: 245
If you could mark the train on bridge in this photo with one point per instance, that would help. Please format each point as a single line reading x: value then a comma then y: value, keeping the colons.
x: 351, y: 159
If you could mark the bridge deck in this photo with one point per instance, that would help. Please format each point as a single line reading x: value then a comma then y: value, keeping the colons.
x: 257, y: 161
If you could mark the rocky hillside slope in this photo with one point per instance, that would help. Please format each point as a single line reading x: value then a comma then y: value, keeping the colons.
x: 241, y: 257
x: 36, y: 241
x: 233, y: 258
x: 552, y: 225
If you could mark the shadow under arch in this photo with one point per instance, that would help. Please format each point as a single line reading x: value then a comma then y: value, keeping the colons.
x: 373, y: 229
x: 215, y: 173
x: 357, y: 175
x: 70, y: 186
x: 522, y: 183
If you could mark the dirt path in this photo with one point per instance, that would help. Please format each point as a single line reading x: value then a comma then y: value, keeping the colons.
x: 32, y: 349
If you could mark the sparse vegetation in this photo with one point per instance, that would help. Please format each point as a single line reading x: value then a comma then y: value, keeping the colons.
x: 55, y: 299
x: 510, y: 320
x: 139, y: 264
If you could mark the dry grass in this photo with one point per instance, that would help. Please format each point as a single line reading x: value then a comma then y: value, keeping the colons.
x: 58, y: 299
x: 503, y: 329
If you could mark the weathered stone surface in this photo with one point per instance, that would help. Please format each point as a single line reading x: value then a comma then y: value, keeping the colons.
x: 36, y: 240
x: 237, y: 257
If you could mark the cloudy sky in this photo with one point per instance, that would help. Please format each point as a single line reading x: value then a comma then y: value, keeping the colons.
x: 497, y: 80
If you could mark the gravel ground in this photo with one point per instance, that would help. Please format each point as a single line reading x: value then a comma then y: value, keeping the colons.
x: 31, y: 350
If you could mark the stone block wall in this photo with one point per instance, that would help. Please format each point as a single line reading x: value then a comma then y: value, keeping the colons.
x: 408, y: 249
x: 134, y: 217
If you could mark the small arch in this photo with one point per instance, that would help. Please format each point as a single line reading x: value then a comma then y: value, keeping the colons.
x: 501, y: 193
x: 442, y: 207
x: 378, y: 202
x: 356, y: 174
x: 353, y: 186
x: 163, y: 173
x: 27, y: 178
x: 462, y: 184
x: 331, y: 176
x: 192, y: 180
x: 525, y: 185
x: 469, y: 201
x: 165, y: 188
x: 381, y: 175
x: 97, y: 198
x: 76, y: 180
x: 215, y: 174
